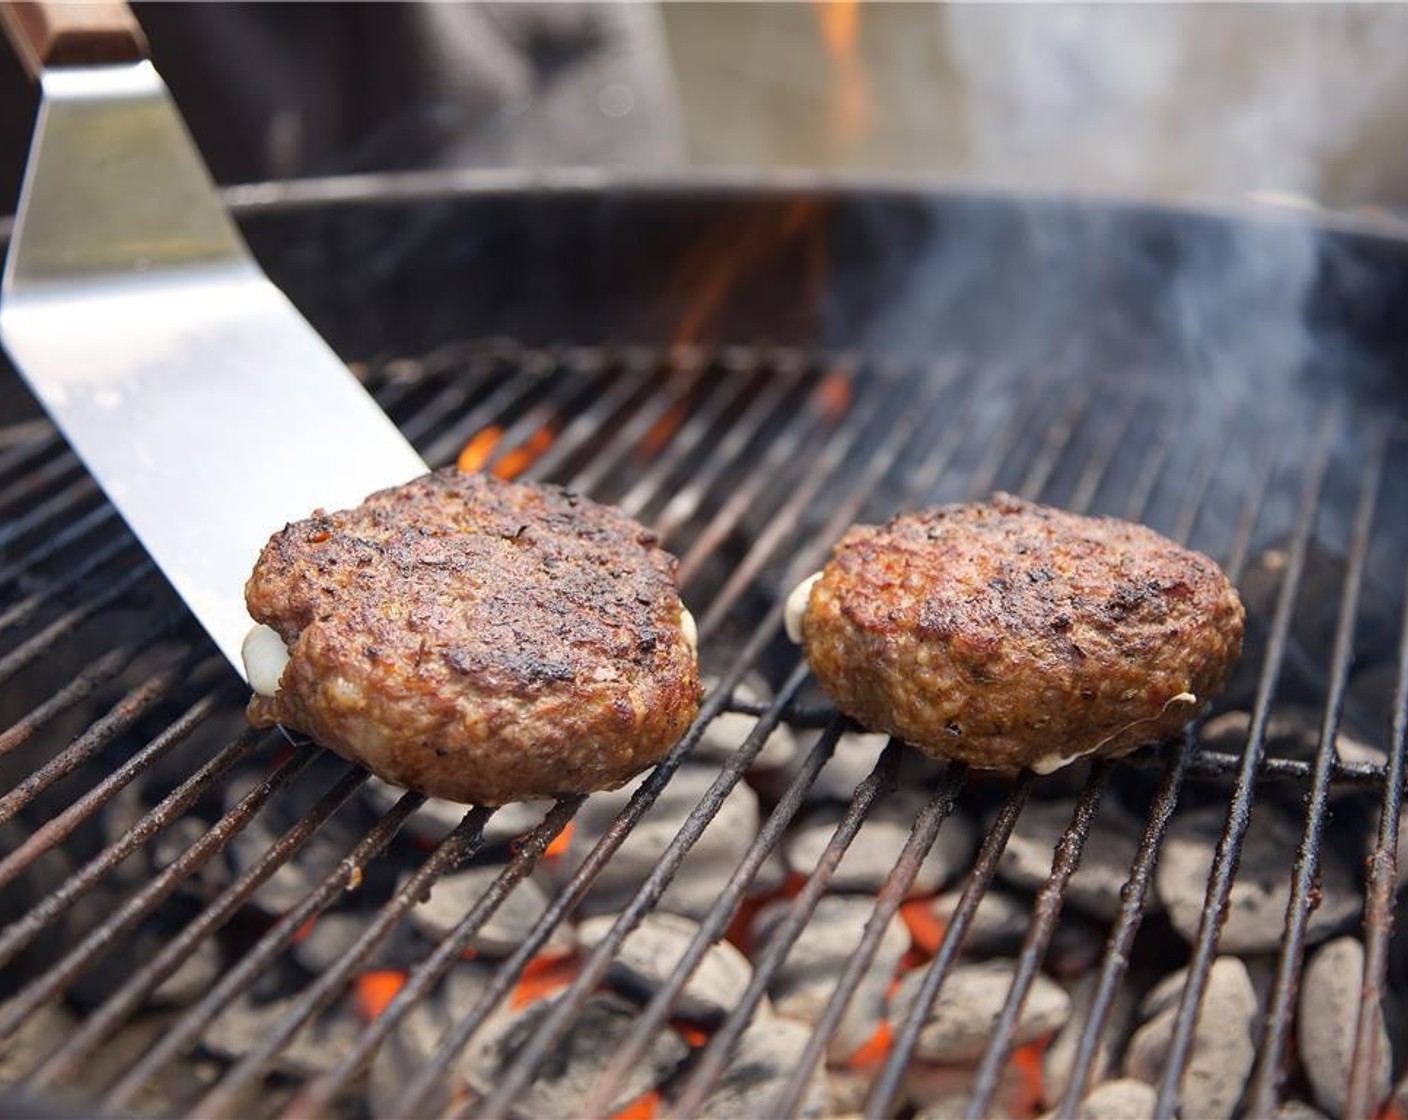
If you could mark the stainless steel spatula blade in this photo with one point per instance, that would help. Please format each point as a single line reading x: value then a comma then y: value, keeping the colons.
x: 202, y: 402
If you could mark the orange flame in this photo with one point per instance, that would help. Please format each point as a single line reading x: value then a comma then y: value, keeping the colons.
x: 644, y: 1107
x: 524, y: 456
x: 302, y: 932
x: 481, y: 446
x: 1026, y: 1065
x: 476, y: 452
x: 839, y: 24
x: 374, y: 990
x: 662, y: 431
x: 544, y: 974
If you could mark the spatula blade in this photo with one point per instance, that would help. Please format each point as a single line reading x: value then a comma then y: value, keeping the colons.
x: 202, y: 402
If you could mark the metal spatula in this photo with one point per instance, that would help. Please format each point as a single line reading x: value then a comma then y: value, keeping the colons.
x: 199, y: 398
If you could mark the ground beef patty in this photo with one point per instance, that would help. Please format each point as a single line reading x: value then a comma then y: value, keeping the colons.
x: 478, y: 640
x: 1005, y: 633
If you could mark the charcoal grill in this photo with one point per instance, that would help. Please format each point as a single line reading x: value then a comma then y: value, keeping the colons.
x: 749, y: 367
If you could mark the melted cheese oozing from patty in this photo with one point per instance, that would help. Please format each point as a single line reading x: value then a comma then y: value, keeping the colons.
x: 264, y: 655
x: 795, y: 609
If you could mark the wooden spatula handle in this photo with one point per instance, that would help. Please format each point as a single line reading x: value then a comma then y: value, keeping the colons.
x: 65, y: 33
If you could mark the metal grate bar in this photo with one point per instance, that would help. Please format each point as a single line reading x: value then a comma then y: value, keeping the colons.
x: 1115, y: 962
x: 36, y: 647
x: 187, y: 1029
x: 892, y: 892
x: 92, y: 677
x: 710, y: 1062
x: 21, y: 491
x: 1266, y: 1082
x: 880, y: 1105
x: 57, y: 828
x: 123, y: 715
x: 685, y: 501
x: 1045, y: 910
x: 127, y: 999
x: 464, y: 840
x: 526, y: 1062
x: 26, y: 443
x: 100, y: 517
x: 18, y: 934
x: 508, y: 398
x: 1383, y: 879
x: 26, y: 608
x: 52, y: 983
x: 701, y: 423
x: 1229, y: 846
x: 50, y: 509
x: 316, y: 1097
x: 715, y: 923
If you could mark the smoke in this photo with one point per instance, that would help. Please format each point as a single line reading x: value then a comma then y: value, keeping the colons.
x: 1185, y: 99
x: 1201, y: 102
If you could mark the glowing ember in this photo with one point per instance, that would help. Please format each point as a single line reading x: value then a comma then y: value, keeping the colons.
x: 302, y: 932
x: 644, y: 1107
x: 374, y: 990
x: 926, y: 929
x: 543, y: 975
x: 873, y: 1050
x: 477, y: 451
x: 662, y: 431
x: 515, y: 462
x: 558, y: 847
x: 1026, y: 1064
x: 692, y: 1034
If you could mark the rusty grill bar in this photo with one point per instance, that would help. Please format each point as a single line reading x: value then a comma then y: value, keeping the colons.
x: 766, y: 457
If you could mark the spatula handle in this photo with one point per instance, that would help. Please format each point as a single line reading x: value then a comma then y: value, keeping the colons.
x: 64, y: 33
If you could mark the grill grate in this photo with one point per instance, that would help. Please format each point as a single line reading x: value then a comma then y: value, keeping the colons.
x: 749, y: 463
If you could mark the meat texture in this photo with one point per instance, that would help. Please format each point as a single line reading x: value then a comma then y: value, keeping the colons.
x: 1006, y: 633
x: 478, y: 640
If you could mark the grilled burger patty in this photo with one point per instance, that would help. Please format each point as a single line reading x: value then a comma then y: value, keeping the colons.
x: 478, y: 640
x: 1006, y: 633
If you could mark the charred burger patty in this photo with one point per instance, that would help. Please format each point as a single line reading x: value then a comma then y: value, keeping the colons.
x: 1005, y: 633
x: 477, y: 640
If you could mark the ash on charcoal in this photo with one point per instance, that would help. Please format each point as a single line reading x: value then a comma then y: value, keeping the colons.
x: 1292, y: 731
x: 1298, y: 1110
x: 1105, y: 861
x: 1329, y: 1011
x: 1224, y: 1041
x: 877, y: 846
x: 437, y: 818
x: 208, y: 880
x: 1057, y: 1062
x: 453, y: 896
x: 315, y: 1049
x: 581, y: 1055
x: 191, y: 980
x: 410, y: 1046
x: 851, y: 762
x: 767, y: 1053
x: 961, y: 1022
x: 804, y: 984
x: 1125, y: 1099
x: 39, y: 1035
x: 301, y: 873
x: 650, y: 955
x: 999, y: 927
x: 728, y: 731
x: 706, y: 868
x: 332, y: 934
x: 1257, y: 909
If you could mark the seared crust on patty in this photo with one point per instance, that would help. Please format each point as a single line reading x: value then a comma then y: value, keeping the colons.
x: 1006, y: 633
x: 478, y: 640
